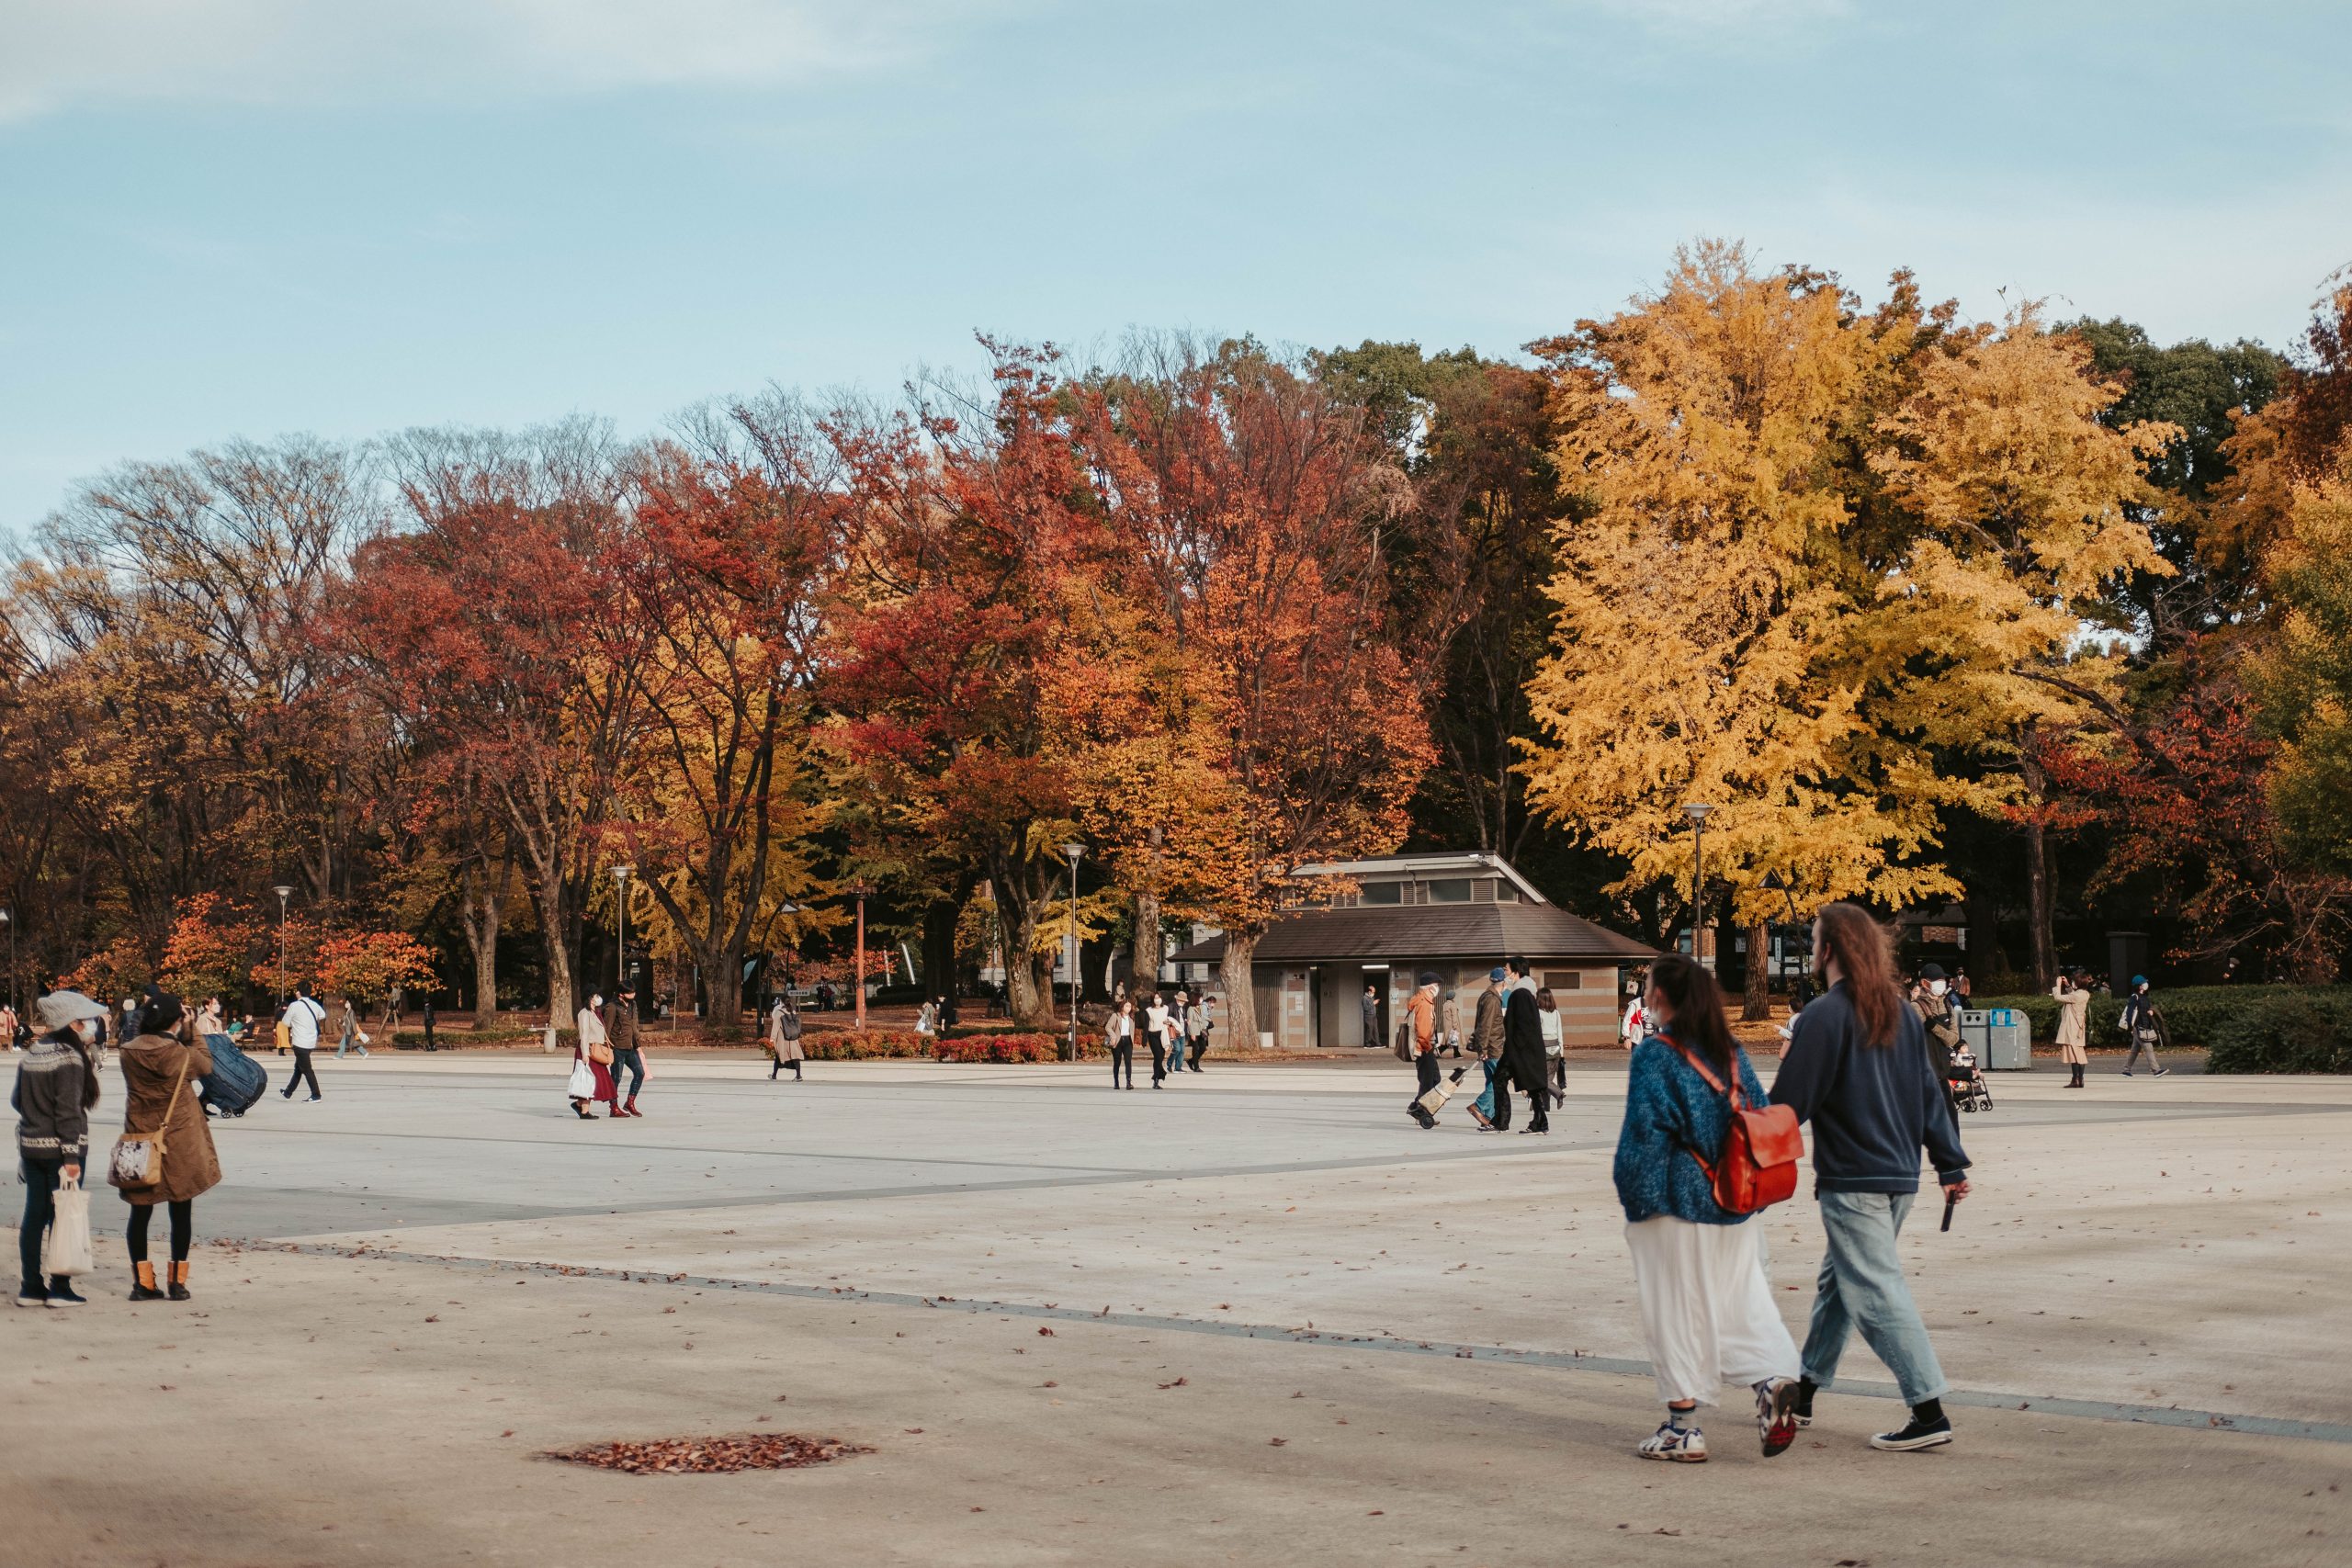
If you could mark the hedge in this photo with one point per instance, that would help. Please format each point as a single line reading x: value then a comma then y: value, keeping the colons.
x: 853, y: 1045
x: 2247, y: 1028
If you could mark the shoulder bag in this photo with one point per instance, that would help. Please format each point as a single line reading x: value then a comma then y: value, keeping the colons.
x: 138, y: 1162
x: 1756, y: 1167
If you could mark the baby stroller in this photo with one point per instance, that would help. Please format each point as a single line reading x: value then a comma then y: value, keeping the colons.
x: 1967, y: 1083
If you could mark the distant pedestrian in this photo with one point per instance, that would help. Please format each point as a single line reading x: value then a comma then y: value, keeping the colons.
x: 1524, y: 1065
x: 1154, y: 1025
x: 621, y: 1030
x: 1450, y: 1021
x: 1199, y: 1021
x: 303, y: 1017
x: 1857, y: 1068
x: 926, y: 1019
x: 1706, y: 1303
x: 352, y: 1036
x: 158, y: 1068
x: 2143, y: 1028
x: 1486, y: 1020
x: 1939, y: 1012
x: 2073, y: 1025
x: 784, y: 1040
x: 429, y: 1020
x: 1119, y: 1034
x: 1420, y: 1022
x: 1555, y: 1052
x: 592, y: 1056
x: 208, y: 1019
x: 1632, y: 1027
x: 1372, y: 1040
x: 57, y: 1084
x: 1482, y: 1110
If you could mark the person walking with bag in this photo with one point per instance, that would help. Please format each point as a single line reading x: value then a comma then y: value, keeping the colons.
x: 1556, y: 1051
x: 784, y: 1039
x: 1706, y: 1303
x: 2073, y: 1025
x: 1119, y: 1034
x: 1857, y: 1068
x: 303, y: 1017
x: 1420, y: 1043
x: 1155, y: 1026
x: 351, y: 1036
x: 56, y: 1085
x: 1524, y: 1062
x: 2143, y: 1028
x: 176, y: 1165
x: 621, y: 1030
x: 592, y: 1056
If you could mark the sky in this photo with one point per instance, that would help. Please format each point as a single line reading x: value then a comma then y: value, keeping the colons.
x: 224, y: 218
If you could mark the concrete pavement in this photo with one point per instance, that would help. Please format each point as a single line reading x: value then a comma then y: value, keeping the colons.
x: 899, y: 1246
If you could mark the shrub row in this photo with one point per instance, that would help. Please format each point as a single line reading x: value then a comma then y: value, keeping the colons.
x: 850, y: 1045
x: 2248, y: 1029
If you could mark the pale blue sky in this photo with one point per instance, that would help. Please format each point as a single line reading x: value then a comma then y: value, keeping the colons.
x: 243, y: 217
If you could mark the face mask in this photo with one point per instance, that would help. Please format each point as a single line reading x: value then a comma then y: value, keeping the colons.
x: 1936, y: 988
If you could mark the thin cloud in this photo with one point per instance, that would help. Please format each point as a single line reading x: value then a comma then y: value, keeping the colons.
x: 56, y: 54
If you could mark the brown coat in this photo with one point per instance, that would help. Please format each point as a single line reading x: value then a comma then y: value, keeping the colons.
x: 151, y: 1066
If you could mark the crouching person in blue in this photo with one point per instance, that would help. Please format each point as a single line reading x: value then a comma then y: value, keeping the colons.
x: 1857, y: 1068
x: 1707, y: 1308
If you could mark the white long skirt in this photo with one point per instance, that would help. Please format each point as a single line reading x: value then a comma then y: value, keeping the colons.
x: 1707, y: 1307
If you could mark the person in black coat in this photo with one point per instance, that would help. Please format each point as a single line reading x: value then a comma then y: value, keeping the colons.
x: 1524, y: 1067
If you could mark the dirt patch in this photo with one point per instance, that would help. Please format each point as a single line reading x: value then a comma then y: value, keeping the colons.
x: 709, y: 1456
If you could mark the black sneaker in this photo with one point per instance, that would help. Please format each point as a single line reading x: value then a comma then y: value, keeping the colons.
x: 1916, y: 1434
x: 63, y: 1295
x: 32, y: 1298
x: 1800, y: 1403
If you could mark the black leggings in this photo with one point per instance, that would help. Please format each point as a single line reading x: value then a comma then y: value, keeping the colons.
x: 775, y: 1067
x: 1123, y: 1054
x: 183, y: 1229
x: 41, y: 1177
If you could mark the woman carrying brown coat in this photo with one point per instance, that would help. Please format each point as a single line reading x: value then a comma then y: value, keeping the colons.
x: 159, y: 1070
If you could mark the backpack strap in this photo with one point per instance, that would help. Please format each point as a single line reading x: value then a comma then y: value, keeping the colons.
x: 1731, y: 1093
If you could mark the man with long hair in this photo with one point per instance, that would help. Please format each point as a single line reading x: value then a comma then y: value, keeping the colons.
x: 1857, y: 1068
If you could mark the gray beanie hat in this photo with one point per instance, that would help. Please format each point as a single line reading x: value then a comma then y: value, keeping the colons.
x: 60, y: 1008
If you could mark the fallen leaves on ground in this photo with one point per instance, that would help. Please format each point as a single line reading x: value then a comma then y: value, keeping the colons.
x: 709, y: 1456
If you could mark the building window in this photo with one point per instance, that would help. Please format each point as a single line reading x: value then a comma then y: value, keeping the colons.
x: 1564, y: 979
x: 1448, y: 890
x: 1506, y: 891
x: 1384, y: 891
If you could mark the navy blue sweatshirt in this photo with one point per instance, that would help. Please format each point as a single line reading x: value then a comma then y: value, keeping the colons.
x: 1873, y: 1108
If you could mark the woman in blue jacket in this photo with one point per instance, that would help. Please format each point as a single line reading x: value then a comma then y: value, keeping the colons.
x: 1707, y: 1308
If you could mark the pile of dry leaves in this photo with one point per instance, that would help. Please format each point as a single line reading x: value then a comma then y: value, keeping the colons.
x: 710, y: 1455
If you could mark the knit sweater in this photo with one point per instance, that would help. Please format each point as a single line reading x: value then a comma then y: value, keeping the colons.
x: 53, y: 1122
x: 1671, y: 1113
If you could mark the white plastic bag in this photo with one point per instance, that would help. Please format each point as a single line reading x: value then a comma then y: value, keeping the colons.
x: 584, y: 1082
x: 65, y: 1250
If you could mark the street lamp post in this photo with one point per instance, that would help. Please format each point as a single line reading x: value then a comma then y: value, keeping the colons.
x: 1077, y: 979
x: 9, y: 919
x: 1697, y: 811
x: 620, y: 898
x: 284, y: 893
x: 860, y: 977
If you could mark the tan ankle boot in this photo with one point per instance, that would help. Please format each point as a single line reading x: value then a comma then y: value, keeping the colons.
x: 179, y: 1280
x: 142, y: 1283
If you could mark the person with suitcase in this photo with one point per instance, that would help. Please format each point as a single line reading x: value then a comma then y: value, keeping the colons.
x: 57, y: 1083
x: 1417, y: 1039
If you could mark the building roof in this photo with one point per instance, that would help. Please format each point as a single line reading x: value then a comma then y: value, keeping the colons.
x: 1379, y: 933
x: 1427, y: 864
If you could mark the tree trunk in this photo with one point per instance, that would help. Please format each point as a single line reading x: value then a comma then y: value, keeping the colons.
x: 1148, y: 950
x: 1986, y: 962
x: 2037, y: 880
x: 551, y: 902
x: 1756, y: 1001
x: 1028, y: 974
x: 479, y: 913
x: 1240, y: 1000
x: 939, y: 952
x: 722, y: 984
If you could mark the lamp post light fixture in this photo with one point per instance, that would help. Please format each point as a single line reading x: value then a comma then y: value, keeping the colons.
x: 1697, y: 811
x: 620, y: 898
x: 1077, y: 978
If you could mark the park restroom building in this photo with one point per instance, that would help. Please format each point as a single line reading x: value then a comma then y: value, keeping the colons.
x: 1456, y: 914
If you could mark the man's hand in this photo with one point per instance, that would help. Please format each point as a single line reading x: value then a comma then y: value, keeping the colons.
x: 71, y: 1172
x: 1956, y: 1190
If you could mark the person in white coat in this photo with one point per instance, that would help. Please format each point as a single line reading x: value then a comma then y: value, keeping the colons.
x: 583, y: 1054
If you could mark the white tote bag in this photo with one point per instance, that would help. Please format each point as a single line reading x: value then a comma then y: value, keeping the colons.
x: 65, y: 1250
x: 583, y: 1081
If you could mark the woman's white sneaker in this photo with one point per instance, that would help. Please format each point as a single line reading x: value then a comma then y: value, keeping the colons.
x: 1683, y: 1445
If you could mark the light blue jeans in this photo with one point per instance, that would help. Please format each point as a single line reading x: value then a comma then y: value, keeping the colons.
x: 1861, y: 1287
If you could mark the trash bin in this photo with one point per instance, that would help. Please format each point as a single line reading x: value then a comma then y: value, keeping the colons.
x: 2008, y: 1041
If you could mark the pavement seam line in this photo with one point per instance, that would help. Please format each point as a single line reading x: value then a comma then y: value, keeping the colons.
x: 1569, y: 1360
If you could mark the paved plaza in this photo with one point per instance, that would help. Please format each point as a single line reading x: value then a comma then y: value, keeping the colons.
x: 1256, y: 1318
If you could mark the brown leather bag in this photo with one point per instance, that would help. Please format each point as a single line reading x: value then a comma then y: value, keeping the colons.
x: 1758, y: 1164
